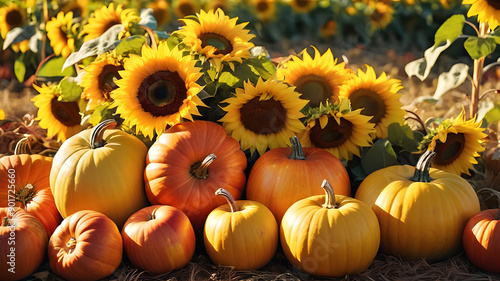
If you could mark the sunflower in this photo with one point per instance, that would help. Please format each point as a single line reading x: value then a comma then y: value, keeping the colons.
x: 184, y: 8
x: 157, y: 89
x: 161, y: 11
x: 487, y: 11
x: 263, y: 116
x: 99, y: 78
x: 224, y: 5
x: 78, y: 7
x: 61, y: 119
x: 264, y: 10
x: 377, y: 97
x: 328, y: 29
x: 318, y: 79
x: 302, y: 6
x: 457, y: 143
x: 338, y: 129
x: 12, y: 16
x: 381, y: 15
x: 106, y: 17
x: 59, y: 31
x: 217, y: 37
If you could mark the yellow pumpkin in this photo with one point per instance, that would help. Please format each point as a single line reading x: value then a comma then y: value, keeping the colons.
x: 242, y: 234
x: 422, y: 211
x: 100, y: 169
x: 330, y: 235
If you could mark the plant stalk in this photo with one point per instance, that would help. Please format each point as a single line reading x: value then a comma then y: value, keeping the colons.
x: 477, y: 75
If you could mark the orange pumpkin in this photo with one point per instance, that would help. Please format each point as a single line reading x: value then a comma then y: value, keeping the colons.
x: 188, y: 163
x: 294, y: 173
x: 23, y: 242
x: 86, y: 246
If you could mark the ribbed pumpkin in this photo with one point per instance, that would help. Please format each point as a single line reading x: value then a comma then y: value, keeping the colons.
x: 29, y: 175
x: 330, y: 235
x: 23, y: 243
x: 294, y: 173
x: 188, y: 163
x: 422, y: 211
x: 100, y: 169
x: 242, y: 234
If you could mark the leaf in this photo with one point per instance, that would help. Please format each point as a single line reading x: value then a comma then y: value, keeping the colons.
x: 19, y: 34
x: 131, y: 45
x: 147, y: 18
x: 493, y: 115
x: 53, y: 68
x: 379, y: 156
x: 450, y: 30
x: 422, y: 67
x: 20, y: 68
x: 70, y: 90
x: 479, y: 47
x: 452, y: 79
x: 105, y: 42
x: 101, y: 112
x: 402, y: 136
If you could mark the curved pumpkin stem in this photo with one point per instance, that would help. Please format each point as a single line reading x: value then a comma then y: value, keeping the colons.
x: 97, y: 135
x: 422, y: 168
x: 297, y: 151
x: 5, y: 221
x: 23, y: 146
x: 200, y: 169
x: 229, y: 198
x: 330, y: 195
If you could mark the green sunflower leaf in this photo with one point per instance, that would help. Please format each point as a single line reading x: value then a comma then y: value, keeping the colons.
x: 130, y: 45
x: 379, y: 156
x: 479, y: 47
x: 451, y: 29
x: 19, y: 34
x: 20, y: 68
x: 402, y: 136
x: 70, y: 90
x: 101, y: 112
x: 54, y: 68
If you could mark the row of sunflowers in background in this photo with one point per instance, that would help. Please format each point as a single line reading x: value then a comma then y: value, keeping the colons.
x: 114, y: 60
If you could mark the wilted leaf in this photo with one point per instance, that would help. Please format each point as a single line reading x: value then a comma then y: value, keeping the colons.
x: 479, y: 47
x: 452, y: 79
x: 19, y: 34
x: 422, y: 67
x: 450, y: 30
x: 379, y: 156
x: 70, y: 91
x: 147, y: 19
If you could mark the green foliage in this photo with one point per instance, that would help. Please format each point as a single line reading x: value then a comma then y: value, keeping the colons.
x: 380, y: 155
x: 130, y: 45
x: 70, y: 90
x: 450, y: 30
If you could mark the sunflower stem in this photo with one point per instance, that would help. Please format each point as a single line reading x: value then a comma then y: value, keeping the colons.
x: 200, y: 170
x: 330, y: 195
x: 297, y: 151
x: 97, y: 135
x: 477, y: 75
x: 229, y: 199
x: 422, y: 168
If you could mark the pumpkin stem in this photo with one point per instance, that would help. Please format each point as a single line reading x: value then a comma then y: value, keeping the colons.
x: 151, y: 217
x: 71, y: 244
x: 97, y: 135
x: 297, y: 151
x: 26, y: 194
x: 23, y: 146
x: 5, y: 221
x: 200, y: 169
x: 229, y: 198
x: 330, y: 195
x: 422, y: 168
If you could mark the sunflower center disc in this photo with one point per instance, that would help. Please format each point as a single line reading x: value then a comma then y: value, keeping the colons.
x: 186, y: 9
x: 66, y: 112
x: 314, y: 89
x: 450, y: 150
x: 372, y: 103
x: 332, y: 135
x: 217, y: 41
x: 14, y: 18
x: 494, y: 3
x: 263, y: 117
x: 107, y: 78
x: 262, y: 6
x: 162, y: 93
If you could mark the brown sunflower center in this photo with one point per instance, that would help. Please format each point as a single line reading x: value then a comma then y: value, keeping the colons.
x: 263, y: 117
x: 450, y: 150
x: 332, y: 135
x: 14, y: 18
x: 217, y: 41
x: 314, y: 88
x: 68, y: 113
x: 262, y: 6
x: 494, y: 3
x: 302, y: 3
x: 110, y: 24
x: 371, y: 102
x: 162, y: 93
x: 186, y: 9
x: 106, y: 79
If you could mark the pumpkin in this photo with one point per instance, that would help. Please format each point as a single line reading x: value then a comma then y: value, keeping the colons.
x: 23, y: 242
x: 100, y: 169
x: 294, y: 173
x: 422, y: 211
x: 24, y: 183
x: 87, y: 245
x: 159, y: 239
x: 242, y: 234
x: 481, y: 240
x: 330, y: 235
x: 188, y: 163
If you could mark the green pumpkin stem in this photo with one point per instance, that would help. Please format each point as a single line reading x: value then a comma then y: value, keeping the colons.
x: 200, y: 169
x: 229, y: 198
x: 422, y: 168
x: 297, y: 151
x: 330, y: 195
x: 97, y: 135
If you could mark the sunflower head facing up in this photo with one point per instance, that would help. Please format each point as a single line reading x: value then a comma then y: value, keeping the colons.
x: 157, y: 89
x: 106, y: 17
x: 60, y: 119
x: 264, y: 115
x: 377, y: 97
x: 61, y: 34
x: 318, y: 79
x: 487, y: 11
x: 217, y: 37
x: 337, y: 129
x: 99, y: 78
x: 456, y: 143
